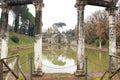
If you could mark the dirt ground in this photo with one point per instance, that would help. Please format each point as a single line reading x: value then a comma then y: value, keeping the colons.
x: 54, y: 76
x: 59, y: 77
x: 64, y: 76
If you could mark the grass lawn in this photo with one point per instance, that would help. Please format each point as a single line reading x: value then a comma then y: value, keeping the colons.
x: 24, y: 40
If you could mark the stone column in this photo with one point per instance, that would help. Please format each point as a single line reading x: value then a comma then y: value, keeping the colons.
x: 4, y: 24
x: 80, y: 21
x: 38, y: 39
x: 112, y: 37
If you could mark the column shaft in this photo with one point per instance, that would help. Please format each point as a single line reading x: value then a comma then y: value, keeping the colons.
x: 4, y: 41
x: 80, y: 23
x: 80, y: 52
x: 38, y: 38
x: 112, y: 38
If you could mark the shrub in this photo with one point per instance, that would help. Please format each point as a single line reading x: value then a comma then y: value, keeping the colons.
x: 90, y: 41
x: 107, y: 43
x: 97, y: 42
x: 103, y: 42
x: 15, y: 39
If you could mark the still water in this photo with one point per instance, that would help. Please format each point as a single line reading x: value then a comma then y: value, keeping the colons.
x: 57, y: 59
x: 62, y: 59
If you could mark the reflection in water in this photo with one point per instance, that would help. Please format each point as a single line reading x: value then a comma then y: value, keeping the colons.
x: 49, y: 67
x: 97, y: 61
x: 56, y: 58
x: 59, y: 57
x: 62, y: 59
x: 100, y: 55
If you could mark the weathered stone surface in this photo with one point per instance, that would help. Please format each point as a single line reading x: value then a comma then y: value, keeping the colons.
x: 20, y: 2
x: 103, y: 3
x: 38, y: 39
x: 81, y: 46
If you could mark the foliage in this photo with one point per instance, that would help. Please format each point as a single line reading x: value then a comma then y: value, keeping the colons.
x: 118, y: 32
x: 103, y: 42
x: 26, y: 17
x: 97, y: 78
x: 70, y: 32
x: 20, y: 78
x: 92, y: 40
x: 0, y: 23
x: 23, y: 40
x: 97, y: 42
x: 15, y: 39
x: 60, y: 24
x: 107, y: 43
x: 101, y: 24
x: 16, y: 23
x: 58, y: 62
x: 31, y: 30
x: 97, y: 26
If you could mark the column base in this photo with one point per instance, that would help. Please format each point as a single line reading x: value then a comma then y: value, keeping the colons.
x: 79, y: 73
x: 38, y: 73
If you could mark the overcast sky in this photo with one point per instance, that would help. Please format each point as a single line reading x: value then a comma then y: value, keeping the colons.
x: 60, y: 11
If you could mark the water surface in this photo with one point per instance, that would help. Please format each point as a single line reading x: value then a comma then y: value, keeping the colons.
x: 62, y: 59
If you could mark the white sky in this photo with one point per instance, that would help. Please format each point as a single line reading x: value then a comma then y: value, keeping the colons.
x: 60, y: 11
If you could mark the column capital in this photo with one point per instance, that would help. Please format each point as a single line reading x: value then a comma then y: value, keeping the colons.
x: 80, y: 4
x: 39, y: 6
x: 112, y: 10
x: 5, y: 7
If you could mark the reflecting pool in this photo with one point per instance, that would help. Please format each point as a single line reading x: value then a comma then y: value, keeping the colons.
x: 62, y: 59
x: 57, y: 59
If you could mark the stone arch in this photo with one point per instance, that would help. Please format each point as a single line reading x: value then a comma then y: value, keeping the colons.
x: 59, y: 38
